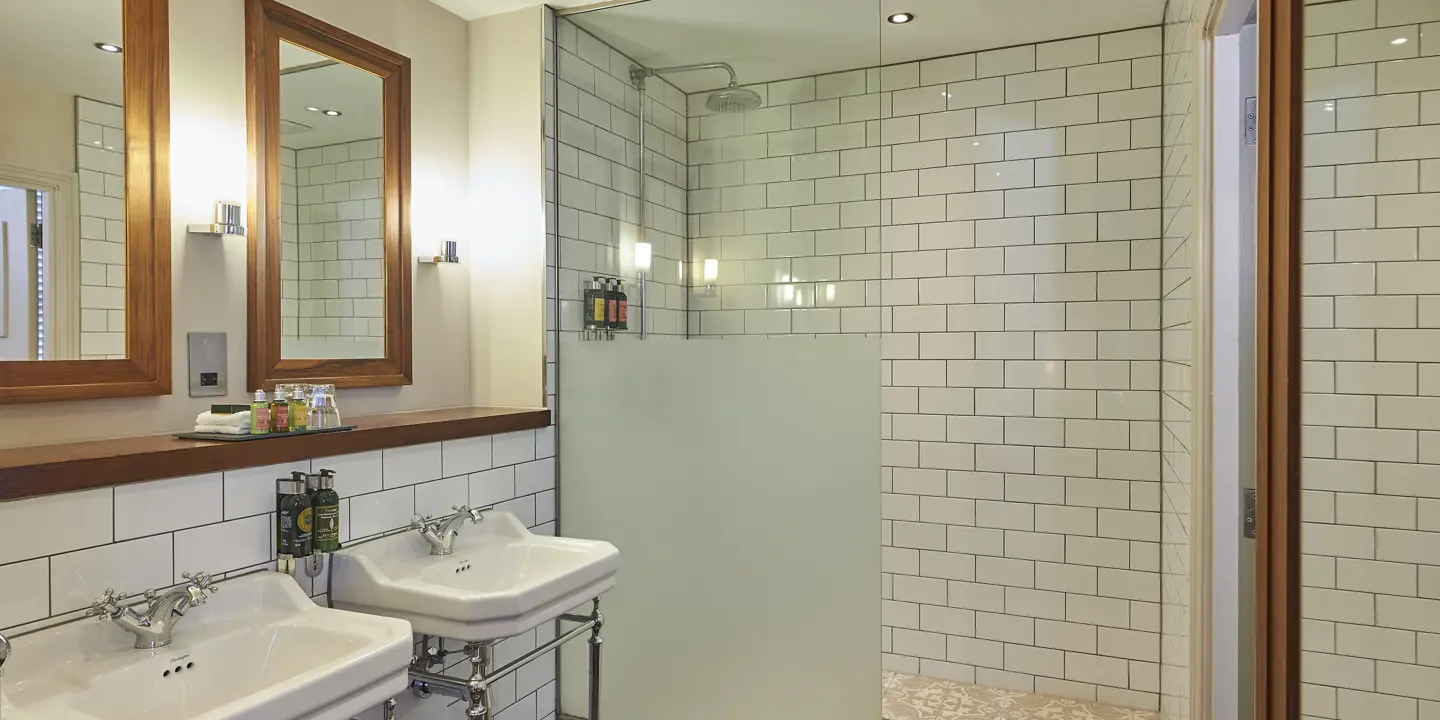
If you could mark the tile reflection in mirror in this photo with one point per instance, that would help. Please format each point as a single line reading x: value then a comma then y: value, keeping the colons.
x: 62, y: 181
x: 332, y: 208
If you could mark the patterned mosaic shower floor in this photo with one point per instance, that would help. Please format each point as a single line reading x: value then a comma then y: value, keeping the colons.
x: 910, y: 697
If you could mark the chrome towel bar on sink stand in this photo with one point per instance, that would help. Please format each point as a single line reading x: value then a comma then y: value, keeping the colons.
x: 476, y: 690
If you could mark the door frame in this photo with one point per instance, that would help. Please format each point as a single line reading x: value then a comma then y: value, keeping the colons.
x: 1280, y: 33
x: 62, y: 238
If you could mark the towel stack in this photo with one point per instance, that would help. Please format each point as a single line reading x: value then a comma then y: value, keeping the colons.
x: 223, y: 423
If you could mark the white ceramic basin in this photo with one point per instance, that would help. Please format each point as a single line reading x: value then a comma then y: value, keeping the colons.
x: 501, y: 579
x: 259, y: 649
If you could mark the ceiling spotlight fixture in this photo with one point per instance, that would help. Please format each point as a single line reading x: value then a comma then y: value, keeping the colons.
x: 313, y: 109
x: 901, y: 18
x: 1399, y: 41
x: 108, y: 47
x: 332, y: 113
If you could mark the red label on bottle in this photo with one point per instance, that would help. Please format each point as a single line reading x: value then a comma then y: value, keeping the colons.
x: 614, y: 310
x: 624, y: 312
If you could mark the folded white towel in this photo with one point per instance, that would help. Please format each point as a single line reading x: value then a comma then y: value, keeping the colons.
x: 222, y: 429
x: 240, y: 419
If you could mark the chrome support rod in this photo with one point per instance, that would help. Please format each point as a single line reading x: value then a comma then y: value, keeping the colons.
x: 477, y: 689
x: 643, y: 309
x: 596, y: 622
x: 389, y: 707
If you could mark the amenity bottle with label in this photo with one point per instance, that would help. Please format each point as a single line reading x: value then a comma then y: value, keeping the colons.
x: 259, y: 414
x: 326, y: 504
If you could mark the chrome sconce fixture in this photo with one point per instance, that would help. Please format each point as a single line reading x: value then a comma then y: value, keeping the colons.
x: 229, y: 220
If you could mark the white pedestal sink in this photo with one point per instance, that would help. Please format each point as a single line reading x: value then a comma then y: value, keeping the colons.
x: 259, y: 649
x: 499, y: 581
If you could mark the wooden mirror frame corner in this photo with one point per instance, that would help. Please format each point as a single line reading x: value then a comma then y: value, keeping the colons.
x: 267, y: 23
x: 146, y: 368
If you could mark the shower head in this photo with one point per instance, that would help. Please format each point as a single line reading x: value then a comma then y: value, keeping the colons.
x: 733, y: 99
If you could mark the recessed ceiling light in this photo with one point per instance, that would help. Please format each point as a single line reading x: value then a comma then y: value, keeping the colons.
x: 1399, y: 41
x: 901, y: 18
x: 313, y: 109
x: 108, y: 47
x: 332, y: 113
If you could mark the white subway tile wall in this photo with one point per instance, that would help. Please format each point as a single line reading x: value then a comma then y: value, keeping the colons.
x: 144, y: 535
x: 332, y: 272
x: 997, y: 218
x: 100, y: 161
x: 1372, y: 360
x: 1178, y: 129
x: 597, y: 113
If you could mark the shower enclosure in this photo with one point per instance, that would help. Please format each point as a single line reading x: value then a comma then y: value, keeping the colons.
x: 979, y: 234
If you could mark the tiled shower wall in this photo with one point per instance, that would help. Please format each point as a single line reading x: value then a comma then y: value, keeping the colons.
x: 145, y: 535
x: 1178, y: 129
x: 1371, y: 473
x: 996, y: 216
x: 100, y: 161
x: 597, y: 119
x: 336, y: 274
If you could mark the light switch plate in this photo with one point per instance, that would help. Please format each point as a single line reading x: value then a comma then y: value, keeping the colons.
x: 207, y: 364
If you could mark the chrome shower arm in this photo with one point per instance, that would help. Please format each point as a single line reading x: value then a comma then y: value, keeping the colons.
x: 638, y: 74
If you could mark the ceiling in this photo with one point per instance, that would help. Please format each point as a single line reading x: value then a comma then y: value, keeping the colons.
x: 51, y: 45
x: 775, y: 39
x: 357, y: 94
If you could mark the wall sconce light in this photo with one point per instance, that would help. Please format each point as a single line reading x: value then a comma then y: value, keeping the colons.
x: 446, y: 253
x: 644, y: 255
x: 711, y: 275
x: 229, y: 220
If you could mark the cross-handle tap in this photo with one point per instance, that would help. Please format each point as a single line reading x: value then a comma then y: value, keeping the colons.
x: 440, y: 533
x: 153, y: 629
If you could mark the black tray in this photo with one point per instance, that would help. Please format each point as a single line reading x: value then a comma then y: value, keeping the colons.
x: 221, y: 437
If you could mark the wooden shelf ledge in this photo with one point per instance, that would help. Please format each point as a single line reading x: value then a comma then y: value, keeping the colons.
x: 50, y: 469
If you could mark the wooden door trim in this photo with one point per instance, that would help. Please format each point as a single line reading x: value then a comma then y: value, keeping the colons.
x: 1277, y: 612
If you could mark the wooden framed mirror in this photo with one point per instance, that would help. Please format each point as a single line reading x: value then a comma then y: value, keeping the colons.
x: 330, y: 266
x: 84, y: 200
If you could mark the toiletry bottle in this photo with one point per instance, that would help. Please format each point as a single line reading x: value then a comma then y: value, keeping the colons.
x: 623, y: 319
x: 326, y: 504
x: 299, y: 409
x: 280, y: 413
x: 612, y: 304
x: 596, y: 306
x: 259, y: 414
x: 294, y: 522
x: 590, y: 291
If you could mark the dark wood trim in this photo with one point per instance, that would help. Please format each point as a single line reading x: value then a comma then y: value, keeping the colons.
x: 146, y: 368
x: 1278, y: 323
x: 50, y: 469
x: 267, y: 23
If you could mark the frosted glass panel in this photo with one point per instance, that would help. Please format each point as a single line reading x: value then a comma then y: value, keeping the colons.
x: 738, y: 478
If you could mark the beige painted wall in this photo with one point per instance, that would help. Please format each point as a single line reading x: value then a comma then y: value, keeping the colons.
x: 209, y: 163
x: 507, y: 166
x: 36, y: 128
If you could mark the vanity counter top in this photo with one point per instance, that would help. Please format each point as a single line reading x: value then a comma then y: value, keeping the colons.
x: 49, y: 469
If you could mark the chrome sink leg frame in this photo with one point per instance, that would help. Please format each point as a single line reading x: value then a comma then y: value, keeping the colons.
x: 595, y: 643
x: 476, y: 690
x: 389, y: 709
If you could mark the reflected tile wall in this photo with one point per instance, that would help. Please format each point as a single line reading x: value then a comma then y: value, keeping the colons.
x: 1371, y: 218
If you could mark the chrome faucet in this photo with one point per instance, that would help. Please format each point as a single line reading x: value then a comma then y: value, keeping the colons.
x: 441, y: 533
x: 154, y: 627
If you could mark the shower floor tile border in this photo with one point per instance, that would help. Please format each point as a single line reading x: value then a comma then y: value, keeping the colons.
x: 912, y: 697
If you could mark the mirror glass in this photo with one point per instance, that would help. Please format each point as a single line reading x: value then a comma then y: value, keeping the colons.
x: 62, y: 181
x: 332, y: 266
